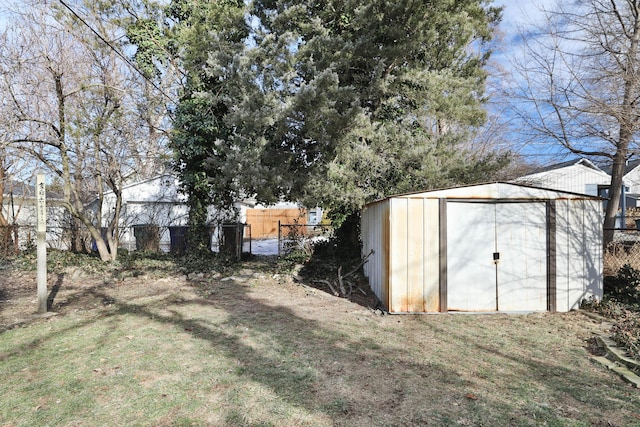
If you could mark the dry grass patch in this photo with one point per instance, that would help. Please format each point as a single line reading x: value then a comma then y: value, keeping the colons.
x: 256, y: 349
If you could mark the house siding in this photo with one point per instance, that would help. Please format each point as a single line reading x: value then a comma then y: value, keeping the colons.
x: 575, y: 179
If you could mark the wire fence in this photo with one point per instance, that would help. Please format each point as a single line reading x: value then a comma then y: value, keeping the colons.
x: 292, y: 237
x: 625, y: 248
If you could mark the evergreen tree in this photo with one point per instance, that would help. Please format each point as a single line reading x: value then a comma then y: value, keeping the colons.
x: 364, y: 99
x: 204, y: 33
x: 331, y: 103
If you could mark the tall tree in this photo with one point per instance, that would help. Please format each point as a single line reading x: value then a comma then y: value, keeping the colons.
x: 205, y: 34
x: 341, y: 102
x: 327, y: 102
x: 580, y: 84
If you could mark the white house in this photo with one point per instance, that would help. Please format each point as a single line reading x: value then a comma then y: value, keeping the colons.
x: 154, y: 202
x: 632, y: 179
x: 158, y: 202
x: 575, y: 176
x: 19, y: 210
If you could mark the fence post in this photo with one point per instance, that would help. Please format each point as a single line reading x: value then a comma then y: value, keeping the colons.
x: 279, y: 235
x: 250, y: 239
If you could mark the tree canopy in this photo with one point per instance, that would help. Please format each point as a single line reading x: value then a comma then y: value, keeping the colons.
x: 332, y: 103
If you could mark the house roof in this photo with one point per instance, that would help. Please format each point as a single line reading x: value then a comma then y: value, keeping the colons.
x: 21, y: 189
x: 574, y: 162
x: 631, y: 165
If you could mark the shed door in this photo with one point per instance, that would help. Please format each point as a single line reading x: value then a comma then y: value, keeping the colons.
x: 471, y: 273
x: 515, y: 234
x: 521, y: 239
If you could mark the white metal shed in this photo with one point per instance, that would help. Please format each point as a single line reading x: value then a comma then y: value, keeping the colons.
x: 489, y: 247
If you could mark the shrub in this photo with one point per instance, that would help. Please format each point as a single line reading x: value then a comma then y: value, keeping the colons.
x: 624, y: 286
x: 609, y: 308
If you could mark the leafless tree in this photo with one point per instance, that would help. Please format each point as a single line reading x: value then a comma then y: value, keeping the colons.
x: 580, y: 85
x: 74, y: 105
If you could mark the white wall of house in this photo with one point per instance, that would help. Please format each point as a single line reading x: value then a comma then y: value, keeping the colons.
x: 581, y: 177
x: 22, y: 213
x: 632, y: 180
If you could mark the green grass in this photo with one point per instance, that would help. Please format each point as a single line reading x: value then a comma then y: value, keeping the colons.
x: 258, y: 352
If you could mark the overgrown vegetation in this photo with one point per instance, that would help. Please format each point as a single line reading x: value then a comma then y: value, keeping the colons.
x: 621, y: 303
x: 626, y: 332
x: 129, y: 264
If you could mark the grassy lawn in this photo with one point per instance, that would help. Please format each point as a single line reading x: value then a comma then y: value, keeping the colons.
x: 257, y: 349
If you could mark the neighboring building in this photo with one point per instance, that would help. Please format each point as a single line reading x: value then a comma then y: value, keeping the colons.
x: 632, y: 182
x: 19, y: 210
x: 575, y: 176
x: 584, y: 177
x: 158, y: 202
x: 491, y: 247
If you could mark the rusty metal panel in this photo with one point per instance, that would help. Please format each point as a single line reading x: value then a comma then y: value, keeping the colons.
x: 521, y: 241
x: 398, y: 271
x: 415, y: 262
x: 431, y: 254
x: 414, y: 256
x: 471, y: 272
x: 386, y: 259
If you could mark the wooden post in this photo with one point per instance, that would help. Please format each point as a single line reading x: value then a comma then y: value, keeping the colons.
x: 41, y: 229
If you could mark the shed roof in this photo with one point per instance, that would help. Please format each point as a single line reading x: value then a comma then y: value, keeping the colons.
x: 494, y: 191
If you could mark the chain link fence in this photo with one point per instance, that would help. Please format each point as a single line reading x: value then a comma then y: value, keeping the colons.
x: 292, y: 237
x: 625, y: 249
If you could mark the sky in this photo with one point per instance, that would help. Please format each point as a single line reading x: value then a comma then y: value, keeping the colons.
x: 518, y: 16
x: 516, y: 13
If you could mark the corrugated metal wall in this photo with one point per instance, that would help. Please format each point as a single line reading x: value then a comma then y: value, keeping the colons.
x: 375, y: 237
x: 414, y: 256
x: 405, y: 234
x: 579, y: 252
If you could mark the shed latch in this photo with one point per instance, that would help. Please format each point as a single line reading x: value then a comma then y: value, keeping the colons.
x: 496, y: 257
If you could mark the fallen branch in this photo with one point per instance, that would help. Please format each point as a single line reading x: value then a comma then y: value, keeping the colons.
x: 342, y: 287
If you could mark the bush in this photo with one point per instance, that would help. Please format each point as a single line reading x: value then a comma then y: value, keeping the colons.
x: 609, y: 308
x: 624, y: 286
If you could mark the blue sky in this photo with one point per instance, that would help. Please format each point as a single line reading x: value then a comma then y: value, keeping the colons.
x: 516, y: 14
x: 519, y: 16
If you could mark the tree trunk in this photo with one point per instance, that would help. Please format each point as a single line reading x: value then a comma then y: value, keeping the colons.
x: 615, y: 191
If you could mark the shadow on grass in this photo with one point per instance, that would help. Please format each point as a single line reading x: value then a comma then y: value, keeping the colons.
x: 389, y: 377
